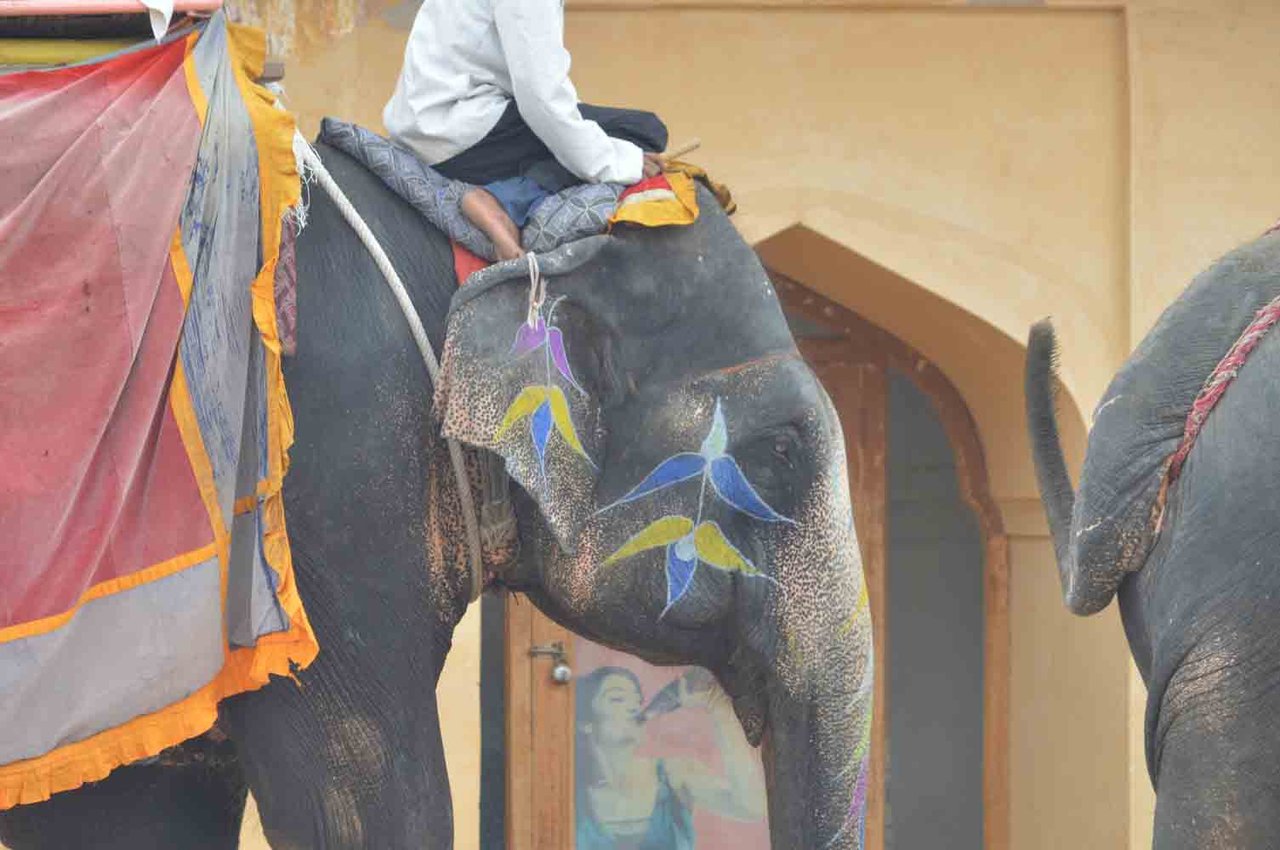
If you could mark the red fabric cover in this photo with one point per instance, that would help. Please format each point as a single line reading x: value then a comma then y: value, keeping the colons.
x: 465, y: 263
x: 95, y: 476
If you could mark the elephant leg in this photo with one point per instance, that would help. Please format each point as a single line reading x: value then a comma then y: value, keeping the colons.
x: 1216, y: 785
x: 350, y: 756
x: 192, y: 796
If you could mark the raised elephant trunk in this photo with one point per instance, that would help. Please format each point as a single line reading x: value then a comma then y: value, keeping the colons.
x: 1056, y: 492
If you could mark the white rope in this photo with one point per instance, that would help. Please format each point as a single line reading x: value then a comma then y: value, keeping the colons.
x: 312, y: 161
x: 537, y: 290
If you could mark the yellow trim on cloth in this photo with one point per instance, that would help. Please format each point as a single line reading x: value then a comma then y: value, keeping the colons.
x: 721, y: 192
x: 57, y: 51
x: 244, y: 668
x: 655, y: 206
x: 659, y: 207
x: 110, y: 587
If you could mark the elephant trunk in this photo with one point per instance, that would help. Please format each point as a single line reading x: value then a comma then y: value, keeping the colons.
x: 1056, y: 493
x: 816, y: 759
x: 817, y: 737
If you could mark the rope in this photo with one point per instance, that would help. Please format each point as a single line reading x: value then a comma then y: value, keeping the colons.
x: 312, y: 162
x: 1215, y: 386
x: 537, y: 290
x: 1219, y: 379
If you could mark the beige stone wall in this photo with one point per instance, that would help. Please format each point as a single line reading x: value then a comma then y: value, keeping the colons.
x: 953, y: 173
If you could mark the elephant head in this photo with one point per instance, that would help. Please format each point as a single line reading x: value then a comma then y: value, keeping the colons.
x: 683, y: 492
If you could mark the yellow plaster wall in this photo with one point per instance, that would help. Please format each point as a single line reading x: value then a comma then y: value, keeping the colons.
x: 980, y: 154
x: 1067, y: 737
x: 351, y: 80
x: 1206, y: 164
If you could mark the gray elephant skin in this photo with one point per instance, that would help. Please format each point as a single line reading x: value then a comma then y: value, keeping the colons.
x: 1195, y: 561
x: 687, y: 502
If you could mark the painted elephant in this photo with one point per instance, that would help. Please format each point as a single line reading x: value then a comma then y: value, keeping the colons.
x: 1176, y: 511
x: 682, y: 495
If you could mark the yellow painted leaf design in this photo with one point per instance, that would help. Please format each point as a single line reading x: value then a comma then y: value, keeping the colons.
x: 710, y: 543
x: 526, y: 403
x: 660, y: 532
x: 564, y: 420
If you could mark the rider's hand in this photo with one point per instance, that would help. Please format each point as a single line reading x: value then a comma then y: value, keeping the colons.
x: 652, y: 165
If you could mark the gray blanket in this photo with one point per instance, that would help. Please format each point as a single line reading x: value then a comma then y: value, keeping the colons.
x: 575, y: 213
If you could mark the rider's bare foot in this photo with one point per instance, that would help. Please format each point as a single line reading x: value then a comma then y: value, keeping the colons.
x: 483, y: 210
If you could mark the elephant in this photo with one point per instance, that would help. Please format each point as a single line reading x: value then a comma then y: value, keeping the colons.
x: 1175, y: 514
x: 680, y: 377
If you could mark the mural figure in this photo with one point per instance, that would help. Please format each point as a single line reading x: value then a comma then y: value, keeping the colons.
x: 627, y: 800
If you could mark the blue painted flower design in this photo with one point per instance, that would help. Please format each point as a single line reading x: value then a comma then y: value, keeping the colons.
x: 716, y: 467
x: 690, y: 542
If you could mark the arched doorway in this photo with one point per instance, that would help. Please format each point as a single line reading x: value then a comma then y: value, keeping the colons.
x: 938, y: 581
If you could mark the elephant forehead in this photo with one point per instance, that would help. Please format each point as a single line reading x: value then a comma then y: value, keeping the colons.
x: 775, y: 391
x: 695, y: 325
x: 771, y: 388
x: 697, y: 291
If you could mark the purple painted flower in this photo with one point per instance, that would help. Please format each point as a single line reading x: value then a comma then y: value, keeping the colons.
x: 531, y: 338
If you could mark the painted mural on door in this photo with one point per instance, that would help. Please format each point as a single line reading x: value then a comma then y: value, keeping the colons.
x: 660, y: 759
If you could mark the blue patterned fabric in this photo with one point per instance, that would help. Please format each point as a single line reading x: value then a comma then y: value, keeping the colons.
x: 572, y: 214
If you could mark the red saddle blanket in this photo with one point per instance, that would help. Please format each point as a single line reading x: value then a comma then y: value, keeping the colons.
x: 144, y: 424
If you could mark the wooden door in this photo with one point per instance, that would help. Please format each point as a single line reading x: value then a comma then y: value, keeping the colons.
x: 539, y: 732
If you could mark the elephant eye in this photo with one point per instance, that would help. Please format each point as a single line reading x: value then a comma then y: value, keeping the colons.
x: 785, y: 445
x: 769, y: 451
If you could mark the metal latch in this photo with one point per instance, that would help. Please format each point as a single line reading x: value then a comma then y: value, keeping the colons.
x: 561, y: 672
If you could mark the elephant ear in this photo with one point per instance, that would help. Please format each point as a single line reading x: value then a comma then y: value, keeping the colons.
x: 510, y: 385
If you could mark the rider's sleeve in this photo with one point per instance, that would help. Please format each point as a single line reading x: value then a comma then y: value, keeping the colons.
x: 532, y: 35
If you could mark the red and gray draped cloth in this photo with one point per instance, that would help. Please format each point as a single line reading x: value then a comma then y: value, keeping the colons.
x: 144, y: 426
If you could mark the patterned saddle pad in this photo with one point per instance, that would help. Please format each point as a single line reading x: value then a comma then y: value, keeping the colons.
x: 573, y: 214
